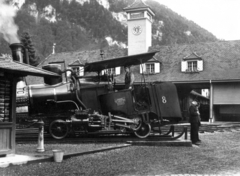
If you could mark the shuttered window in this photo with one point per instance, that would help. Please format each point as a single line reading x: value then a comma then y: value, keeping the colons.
x: 183, y: 66
x: 157, y: 67
x: 192, y: 66
x: 81, y: 71
x: 150, y: 68
x: 118, y: 70
x: 142, y: 68
x: 112, y: 71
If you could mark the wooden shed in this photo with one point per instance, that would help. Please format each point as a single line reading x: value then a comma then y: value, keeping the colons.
x: 10, y: 73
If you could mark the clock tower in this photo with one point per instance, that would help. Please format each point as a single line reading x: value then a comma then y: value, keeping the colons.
x: 139, y: 20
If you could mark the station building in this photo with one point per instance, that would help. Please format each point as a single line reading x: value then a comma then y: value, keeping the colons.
x: 211, y: 66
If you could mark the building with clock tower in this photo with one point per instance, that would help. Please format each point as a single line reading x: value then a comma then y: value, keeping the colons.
x: 139, y: 20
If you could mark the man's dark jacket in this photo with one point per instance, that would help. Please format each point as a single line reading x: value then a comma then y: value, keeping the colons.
x: 194, y: 115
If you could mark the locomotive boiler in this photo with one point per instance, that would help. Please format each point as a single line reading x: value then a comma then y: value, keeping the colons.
x: 70, y: 107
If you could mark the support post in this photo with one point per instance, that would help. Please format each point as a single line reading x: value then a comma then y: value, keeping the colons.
x: 185, y: 131
x: 40, y: 147
x: 211, y: 113
x: 110, y: 120
x: 173, y: 130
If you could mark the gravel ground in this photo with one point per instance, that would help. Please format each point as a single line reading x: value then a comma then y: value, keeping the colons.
x: 219, y: 154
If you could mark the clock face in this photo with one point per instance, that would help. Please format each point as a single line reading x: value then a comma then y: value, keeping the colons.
x: 136, y: 30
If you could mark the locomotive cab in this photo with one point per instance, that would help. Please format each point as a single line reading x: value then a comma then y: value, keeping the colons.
x: 120, y: 102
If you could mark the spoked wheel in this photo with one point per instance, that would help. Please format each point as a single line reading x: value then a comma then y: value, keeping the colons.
x: 58, y: 129
x: 143, y: 131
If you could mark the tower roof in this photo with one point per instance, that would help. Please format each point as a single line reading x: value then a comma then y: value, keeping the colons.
x: 138, y: 5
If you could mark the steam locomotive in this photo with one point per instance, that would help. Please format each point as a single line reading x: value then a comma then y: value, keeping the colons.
x: 71, y: 107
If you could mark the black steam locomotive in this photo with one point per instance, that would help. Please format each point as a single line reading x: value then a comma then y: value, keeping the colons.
x: 71, y: 107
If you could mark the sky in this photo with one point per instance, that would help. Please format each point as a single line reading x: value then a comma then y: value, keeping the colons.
x: 220, y: 17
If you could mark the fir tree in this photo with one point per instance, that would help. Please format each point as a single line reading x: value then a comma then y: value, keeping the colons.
x: 27, y: 43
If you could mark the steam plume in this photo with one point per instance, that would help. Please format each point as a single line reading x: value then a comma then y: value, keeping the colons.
x: 7, y: 26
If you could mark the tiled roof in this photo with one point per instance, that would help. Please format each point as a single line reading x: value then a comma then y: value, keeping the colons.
x: 7, y: 65
x: 82, y: 56
x: 85, y: 56
x: 221, y: 62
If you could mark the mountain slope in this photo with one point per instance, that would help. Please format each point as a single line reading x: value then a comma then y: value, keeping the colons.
x: 168, y: 26
x: 92, y: 24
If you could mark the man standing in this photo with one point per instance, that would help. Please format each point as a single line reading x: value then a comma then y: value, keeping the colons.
x: 129, y: 78
x: 195, y: 121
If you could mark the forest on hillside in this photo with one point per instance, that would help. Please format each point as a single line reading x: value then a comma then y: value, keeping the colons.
x: 85, y: 26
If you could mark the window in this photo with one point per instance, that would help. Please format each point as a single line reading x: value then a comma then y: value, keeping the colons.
x: 112, y: 71
x: 5, y: 99
x: 76, y: 70
x: 192, y: 63
x: 136, y: 15
x: 192, y: 66
x: 150, y: 68
x: 79, y: 71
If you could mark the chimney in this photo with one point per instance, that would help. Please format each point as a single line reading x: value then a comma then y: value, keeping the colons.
x: 19, y: 53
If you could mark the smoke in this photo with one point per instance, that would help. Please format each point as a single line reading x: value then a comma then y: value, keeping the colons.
x: 7, y: 26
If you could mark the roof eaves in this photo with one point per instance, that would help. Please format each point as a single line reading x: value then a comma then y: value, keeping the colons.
x: 137, y: 4
x: 44, y: 60
x: 140, y: 9
x: 24, y: 69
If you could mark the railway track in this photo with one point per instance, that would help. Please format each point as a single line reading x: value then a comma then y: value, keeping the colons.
x: 31, y: 134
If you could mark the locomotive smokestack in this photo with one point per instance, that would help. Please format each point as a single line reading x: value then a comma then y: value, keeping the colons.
x: 17, y: 51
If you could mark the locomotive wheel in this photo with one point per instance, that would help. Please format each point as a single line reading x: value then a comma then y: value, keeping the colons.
x: 138, y: 123
x: 143, y: 131
x: 58, y: 129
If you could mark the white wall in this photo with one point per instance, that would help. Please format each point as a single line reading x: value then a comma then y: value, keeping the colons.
x: 139, y: 43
